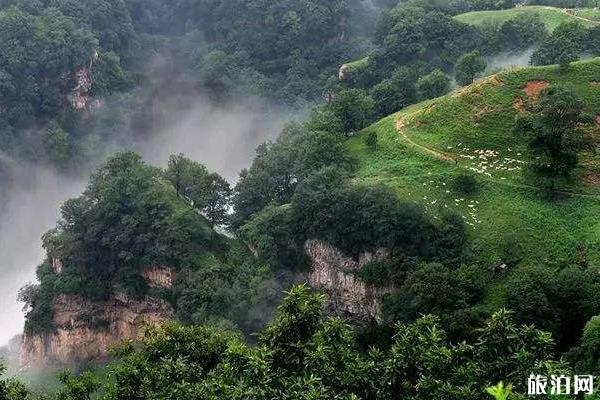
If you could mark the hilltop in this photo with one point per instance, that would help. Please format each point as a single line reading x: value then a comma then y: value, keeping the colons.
x: 421, y: 149
x: 550, y: 16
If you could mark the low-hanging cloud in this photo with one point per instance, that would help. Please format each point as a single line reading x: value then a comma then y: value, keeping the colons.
x: 223, y: 136
x: 507, y: 60
x: 29, y: 207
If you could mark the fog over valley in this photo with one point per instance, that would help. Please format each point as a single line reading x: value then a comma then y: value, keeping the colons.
x: 222, y: 137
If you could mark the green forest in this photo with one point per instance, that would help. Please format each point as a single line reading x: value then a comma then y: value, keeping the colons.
x: 466, y: 190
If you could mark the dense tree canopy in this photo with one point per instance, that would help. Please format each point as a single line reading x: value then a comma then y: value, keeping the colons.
x: 301, y: 354
x: 563, y: 46
x: 446, y: 336
x: 553, y: 129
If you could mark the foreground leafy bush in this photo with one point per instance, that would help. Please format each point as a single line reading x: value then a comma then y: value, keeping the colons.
x: 302, y: 354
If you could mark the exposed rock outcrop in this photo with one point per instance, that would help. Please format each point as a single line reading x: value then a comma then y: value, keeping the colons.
x: 57, y: 265
x: 79, y: 97
x: 347, y: 295
x: 343, y: 72
x: 85, y: 329
x: 158, y: 276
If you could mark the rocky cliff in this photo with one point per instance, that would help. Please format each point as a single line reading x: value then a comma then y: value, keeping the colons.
x: 85, y: 329
x: 335, y: 274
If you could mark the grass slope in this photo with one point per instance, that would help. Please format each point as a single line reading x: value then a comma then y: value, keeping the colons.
x: 422, y: 148
x: 551, y: 16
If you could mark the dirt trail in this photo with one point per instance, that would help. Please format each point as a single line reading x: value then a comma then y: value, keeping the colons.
x: 400, y: 123
x: 569, y: 12
x: 453, y: 159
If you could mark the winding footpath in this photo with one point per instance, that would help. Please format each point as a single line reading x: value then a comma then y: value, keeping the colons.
x: 452, y: 158
x: 569, y: 12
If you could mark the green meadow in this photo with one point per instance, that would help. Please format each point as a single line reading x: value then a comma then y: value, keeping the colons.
x: 551, y: 16
x: 423, y: 148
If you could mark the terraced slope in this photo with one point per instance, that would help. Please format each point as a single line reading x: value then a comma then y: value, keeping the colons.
x: 551, y: 16
x: 422, y: 148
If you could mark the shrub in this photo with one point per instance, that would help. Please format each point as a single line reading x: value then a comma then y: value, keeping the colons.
x: 466, y: 184
x: 433, y: 85
x: 375, y: 272
x: 511, y: 251
x: 371, y: 140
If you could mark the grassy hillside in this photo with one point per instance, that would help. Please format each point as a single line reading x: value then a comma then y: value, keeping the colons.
x: 588, y: 13
x: 551, y: 16
x: 422, y: 148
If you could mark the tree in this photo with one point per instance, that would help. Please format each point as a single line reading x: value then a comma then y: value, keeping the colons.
x: 270, y: 178
x: 371, y: 140
x: 467, y: 66
x: 432, y: 85
x: 563, y: 46
x: 466, y: 184
x: 528, y: 297
x: 299, y: 151
x: 57, y: 145
x: 207, y: 192
x: 11, y: 389
x: 560, y: 302
x: 316, y: 150
x: 303, y: 354
x: 412, y: 32
x: 511, y: 250
x: 522, y: 32
x: 594, y: 40
x: 552, y: 129
x: 354, y: 108
x: 395, y: 93
x: 588, y: 352
x: 433, y: 290
x: 77, y: 388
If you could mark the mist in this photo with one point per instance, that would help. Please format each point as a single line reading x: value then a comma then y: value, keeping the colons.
x: 29, y: 207
x: 222, y: 136
x: 507, y: 60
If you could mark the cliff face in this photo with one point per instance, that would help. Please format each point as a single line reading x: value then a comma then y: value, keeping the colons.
x: 335, y: 274
x: 86, y: 329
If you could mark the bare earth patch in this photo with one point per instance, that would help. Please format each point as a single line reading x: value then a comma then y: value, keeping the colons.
x: 480, y: 112
x: 598, y: 119
x: 518, y: 104
x: 591, y: 178
x: 494, y: 80
x: 400, y: 123
x: 533, y: 88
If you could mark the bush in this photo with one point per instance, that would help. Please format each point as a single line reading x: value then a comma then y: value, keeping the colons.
x: 375, y: 272
x: 467, y: 66
x: 371, y: 140
x: 511, y: 251
x: 466, y: 184
x: 433, y: 85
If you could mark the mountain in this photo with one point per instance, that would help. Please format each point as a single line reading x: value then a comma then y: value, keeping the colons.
x: 423, y: 149
x: 550, y: 16
x: 138, y: 247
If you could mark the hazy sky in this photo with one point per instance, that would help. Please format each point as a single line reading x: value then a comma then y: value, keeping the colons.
x: 32, y: 209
